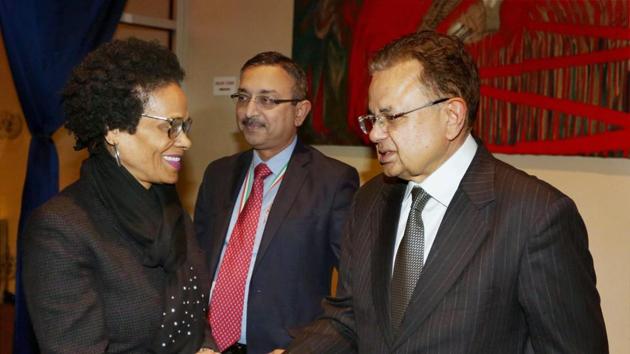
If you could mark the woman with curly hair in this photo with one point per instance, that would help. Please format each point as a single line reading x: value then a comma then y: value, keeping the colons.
x: 111, y: 263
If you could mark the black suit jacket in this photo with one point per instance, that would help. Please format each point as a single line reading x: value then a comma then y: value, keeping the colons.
x: 300, y: 244
x: 86, y: 288
x: 509, y: 272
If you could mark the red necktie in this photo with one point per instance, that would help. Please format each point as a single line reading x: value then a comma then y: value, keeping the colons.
x: 226, y: 306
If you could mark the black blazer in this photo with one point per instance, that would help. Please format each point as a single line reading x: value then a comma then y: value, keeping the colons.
x: 86, y: 289
x: 300, y: 243
x: 509, y: 272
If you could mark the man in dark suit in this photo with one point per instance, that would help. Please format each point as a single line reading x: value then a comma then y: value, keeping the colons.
x: 453, y: 251
x: 285, y: 234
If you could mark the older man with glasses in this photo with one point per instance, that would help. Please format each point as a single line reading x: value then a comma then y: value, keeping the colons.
x: 270, y: 218
x: 452, y: 250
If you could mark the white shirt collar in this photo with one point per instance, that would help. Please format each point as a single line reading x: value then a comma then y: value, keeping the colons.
x: 442, y: 184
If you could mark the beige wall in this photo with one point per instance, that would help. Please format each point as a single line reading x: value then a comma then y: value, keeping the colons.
x: 223, y: 34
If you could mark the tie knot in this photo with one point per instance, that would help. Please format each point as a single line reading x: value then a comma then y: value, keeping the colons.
x: 419, y: 198
x: 261, y: 171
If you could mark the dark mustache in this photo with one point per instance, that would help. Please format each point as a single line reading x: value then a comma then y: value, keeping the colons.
x: 252, y: 122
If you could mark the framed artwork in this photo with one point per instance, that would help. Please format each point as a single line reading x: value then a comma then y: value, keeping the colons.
x: 555, y: 73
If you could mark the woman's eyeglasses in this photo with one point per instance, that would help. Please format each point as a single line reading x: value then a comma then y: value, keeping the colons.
x: 177, y: 125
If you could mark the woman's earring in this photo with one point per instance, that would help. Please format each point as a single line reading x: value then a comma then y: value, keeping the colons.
x: 116, y: 154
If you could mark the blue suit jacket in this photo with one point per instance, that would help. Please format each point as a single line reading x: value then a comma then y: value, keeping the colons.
x: 300, y: 243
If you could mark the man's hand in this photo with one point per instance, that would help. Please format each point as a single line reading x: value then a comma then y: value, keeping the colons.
x: 277, y: 351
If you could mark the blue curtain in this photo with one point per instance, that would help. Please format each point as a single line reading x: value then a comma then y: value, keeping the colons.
x: 44, y: 39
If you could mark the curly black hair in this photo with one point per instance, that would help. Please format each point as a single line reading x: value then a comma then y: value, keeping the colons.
x: 109, y: 88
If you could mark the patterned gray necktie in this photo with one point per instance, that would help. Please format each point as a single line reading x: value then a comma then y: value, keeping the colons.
x: 409, y: 258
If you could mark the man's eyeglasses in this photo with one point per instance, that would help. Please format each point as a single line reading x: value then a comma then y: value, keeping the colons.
x: 367, y: 121
x: 264, y: 102
x: 177, y: 125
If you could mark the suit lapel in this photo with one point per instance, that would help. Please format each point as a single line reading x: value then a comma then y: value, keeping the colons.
x: 289, y: 190
x: 385, y: 223
x: 234, y: 179
x: 460, y: 234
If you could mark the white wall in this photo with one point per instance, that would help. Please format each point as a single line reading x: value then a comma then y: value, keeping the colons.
x: 223, y: 34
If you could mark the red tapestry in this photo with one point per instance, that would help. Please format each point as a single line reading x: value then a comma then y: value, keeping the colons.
x: 555, y: 73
